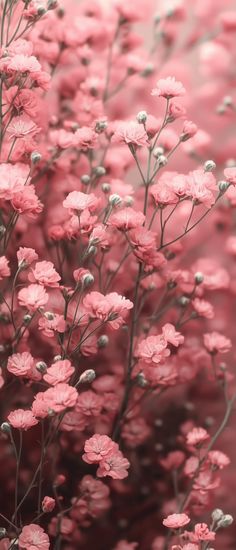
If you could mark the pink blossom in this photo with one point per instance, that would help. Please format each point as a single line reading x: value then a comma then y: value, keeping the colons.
x: 153, y: 349
x: 60, y: 397
x: 78, y: 201
x: 197, y: 436
x: 48, y: 504
x: 33, y: 537
x: 218, y: 459
x: 216, y: 342
x: 168, y: 88
x: 25, y: 201
x: 126, y: 218
x: 26, y: 256
x: 113, y: 465
x: 21, y: 64
x: 230, y: 175
x: 202, y: 532
x: 21, y: 127
x: 85, y: 138
x: 203, y: 308
x: 44, y: 273
x: 176, y: 521
x: 51, y: 323
x: 112, y: 308
x: 20, y: 364
x: 4, y: 268
x: 61, y: 371
x: 171, y: 335
x: 131, y: 133
x: 33, y: 297
x: 98, y: 447
x: 89, y: 403
x: 21, y: 419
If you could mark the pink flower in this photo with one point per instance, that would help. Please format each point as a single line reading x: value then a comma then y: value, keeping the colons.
x: 33, y: 537
x: 98, y: 447
x: 26, y: 256
x: 168, y: 88
x: 112, y: 307
x: 173, y: 460
x: 171, y: 335
x: 78, y: 201
x: 197, y: 436
x: 218, y: 459
x: 22, y: 63
x: 176, y: 521
x: 20, y: 364
x: 21, y: 419
x: 33, y: 297
x: 85, y: 138
x: 131, y: 133
x: 22, y: 126
x: 60, y: 397
x: 61, y: 371
x: 13, y: 178
x: 51, y: 323
x: 62, y: 139
x: 44, y: 273
x: 153, y: 349
x: 230, y: 175
x: 89, y: 403
x: 25, y: 201
x: 215, y: 342
x: 189, y: 130
x: 48, y: 504
x: 202, y: 532
x: 113, y: 465
x: 126, y: 218
x: 203, y: 308
x: 4, y: 268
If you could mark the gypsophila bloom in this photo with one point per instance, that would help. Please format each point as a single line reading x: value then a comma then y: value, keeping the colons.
x: 168, y: 88
x: 216, y: 343
x: 197, y: 436
x: 176, y: 521
x: 22, y: 420
x: 33, y: 297
x: 33, y: 537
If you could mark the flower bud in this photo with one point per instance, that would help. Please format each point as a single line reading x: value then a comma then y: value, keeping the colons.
x: 99, y: 171
x: 92, y: 250
x: 103, y: 341
x: 35, y: 157
x: 141, y: 117
x: 41, y: 11
x: 183, y: 301
x: 101, y: 126
x: 141, y: 380
x: 57, y: 358
x: 225, y: 521
x: 41, y: 367
x: 223, y: 186
x: 115, y: 200
x: 2, y: 229
x: 228, y: 101
x: 88, y: 279
x: 209, y: 166
x: 85, y: 179
x: 148, y: 70
x: 87, y: 376
x: 162, y: 160
x: 5, y: 428
x: 198, y: 277
x: 158, y: 151
x: 106, y: 187
x: 27, y: 318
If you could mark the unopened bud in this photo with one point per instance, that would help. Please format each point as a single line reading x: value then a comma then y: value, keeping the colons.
x: 162, y: 160
x: 103, y: 341
x: 57, y: 358
x: 87, y: 376
x: 141, y: 117
x: 183, y: 301
x: 228, y: 101
x: 141, y: 380
x: 6, y: 428
x: 115, y: 200
x: 158, y: 151
x: 41, y: 367
x: 157, y: 18
x: 209, y: 166
x: 88, y: 279
x: 35, y: 157
x: 99, y: 171
x: 2, y: 229
x: 199, y: 278
x: 41, y: 11
x: 106, y: 187
x: 128, y: 200
x: 148, y: 70
x: 92, y: 250
x: 85, y: 179
x: 223, y: 186
x: 27, y: 318
x: 225, y: 521
x: 101, y: 126
x: 52, y: 4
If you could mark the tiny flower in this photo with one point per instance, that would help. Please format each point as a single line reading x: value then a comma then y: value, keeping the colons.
x: 44, y: 274
x: 168, y: 88
x: 176, y: 521
x: 197, y: 436
x: 4, y: 267
x: 21, y: 419
x: 230, y: 175
x: 78, y: 201
x: 216, y: 343
x: 202, y: 532
x: 33, y: 297
x: 48, y: 504
x: 131, y: 133
x: 26, y: 256
x: 98, y: 447
x: 33, y: 537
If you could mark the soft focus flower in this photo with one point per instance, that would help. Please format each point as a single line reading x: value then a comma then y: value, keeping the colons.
x: 168, y: 88
x: 33, y: 537
x: 22, y: 420
x: 176, y: 521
